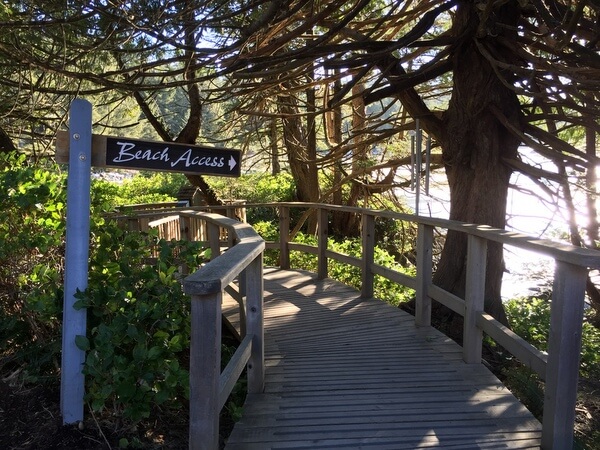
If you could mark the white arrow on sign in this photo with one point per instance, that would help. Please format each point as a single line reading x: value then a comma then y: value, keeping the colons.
x: 232, y: 163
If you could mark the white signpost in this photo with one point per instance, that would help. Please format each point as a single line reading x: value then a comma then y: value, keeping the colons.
x: 82, y: 150
x: 76, y: 259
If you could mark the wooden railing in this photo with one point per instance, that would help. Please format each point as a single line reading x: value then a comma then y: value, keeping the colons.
x: 558, y: 367
x: 242, y: 263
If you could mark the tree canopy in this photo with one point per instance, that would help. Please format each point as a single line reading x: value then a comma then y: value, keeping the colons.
x: 327, y: 82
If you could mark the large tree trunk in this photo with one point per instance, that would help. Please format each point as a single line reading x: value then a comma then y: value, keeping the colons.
x: 301, y: 156
x: 190, y: 132
x: 333, y: 132
x: 274, y: 141
x: 346, y: 223
x: 474, y: 143
x: 6, y: 143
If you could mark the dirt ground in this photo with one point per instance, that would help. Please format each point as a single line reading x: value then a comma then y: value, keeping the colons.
x: 587, y: 421
x: 30, y: 419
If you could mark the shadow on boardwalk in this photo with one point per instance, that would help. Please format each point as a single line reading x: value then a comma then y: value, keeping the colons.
x: 345, y: 372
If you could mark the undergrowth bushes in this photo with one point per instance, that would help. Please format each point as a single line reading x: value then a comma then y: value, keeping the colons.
x: 138, y: 324
x: 529, y: 317
x: 138, y: 327
x: 31, y: 269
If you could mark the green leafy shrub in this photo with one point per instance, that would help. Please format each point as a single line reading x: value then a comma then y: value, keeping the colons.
x: 383, y: 288
x: 138, y: 324
x: 143, y: 187
x: 138, y: 327
x: 397, y: 237
x: 257, y: 188
x: 31, y: 254
x: 530, y: 318
x: 269, y: 232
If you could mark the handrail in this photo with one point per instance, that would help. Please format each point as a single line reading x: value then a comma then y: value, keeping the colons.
x: 558, y: 367
x: 209, y: 388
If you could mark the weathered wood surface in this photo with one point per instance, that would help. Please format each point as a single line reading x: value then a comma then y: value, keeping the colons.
x: 345, y: 372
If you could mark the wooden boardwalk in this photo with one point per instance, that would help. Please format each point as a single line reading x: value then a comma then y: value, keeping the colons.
x: 345, y: 372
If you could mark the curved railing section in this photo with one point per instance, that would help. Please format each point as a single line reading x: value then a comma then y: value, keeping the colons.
x: 558, y: 367
x: 242, y: 263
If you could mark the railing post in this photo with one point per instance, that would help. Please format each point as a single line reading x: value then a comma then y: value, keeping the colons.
x: 184, y: 228
x: 564, y: 348
x: 214, y: 239
x: 284, y: 237
x: 133, y: 224
x: 255, y: 325
x: 185, y: 233
x: 205, y: 370
x: 368, y: 254
x: 424, y: 272
x: 322, y: 231
x: 474, y: 298
x: 230, y: 237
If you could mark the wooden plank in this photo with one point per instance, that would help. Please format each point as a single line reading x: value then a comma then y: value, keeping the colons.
x: 407, y: 431
x: 582, y: 257
x: 368, y: 254
x: 205, y: 370
x: 255, y: 324
x: 266, y: 412
x: 284, y: 237
x: 234, y: 368
x: 468, y: 441
x: 322, y: 235
x: 452, y: 301
x: 357, y: 373
x: 98, y: 149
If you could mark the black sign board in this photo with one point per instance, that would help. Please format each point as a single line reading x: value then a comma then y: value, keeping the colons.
x: 132, y: 153
x: 109, y: 151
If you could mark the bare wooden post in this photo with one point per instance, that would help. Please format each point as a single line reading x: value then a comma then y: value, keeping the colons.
x: 322, y: 230
x: 202, y: 230
x: 255, y: 325
x: 133, y: 224
x: 205, y: 370
x: 214, y: 240
x: 230, y: 235
x: 242, y: 292
x: 474, y: 298
x: 143, y: 224
x: 424, y: 271
x: 284, y: 237
x: 185, y: 233
x: 368, y: 253
x: 184, y: 228
x: 564, y: 347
